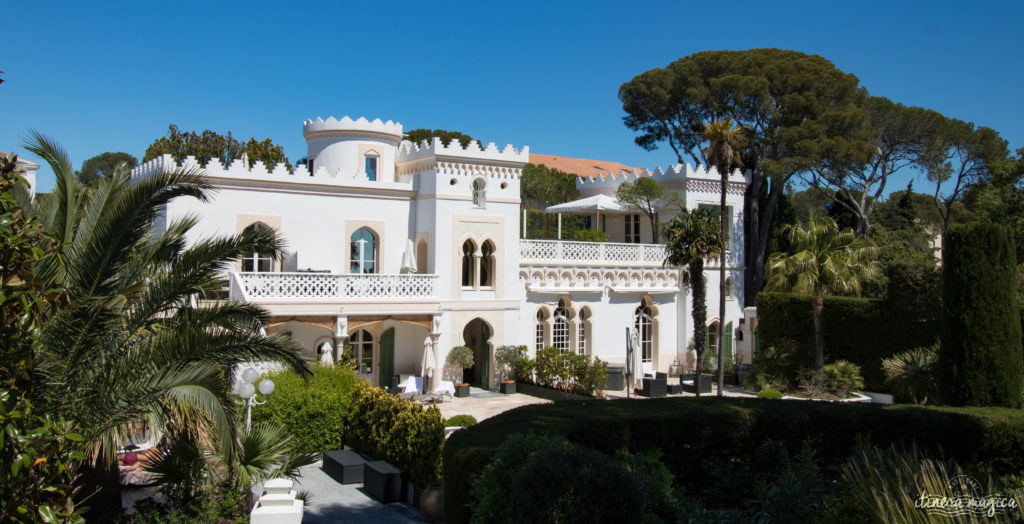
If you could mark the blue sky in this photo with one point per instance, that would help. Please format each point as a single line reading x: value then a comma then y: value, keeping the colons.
x: 111, y: 76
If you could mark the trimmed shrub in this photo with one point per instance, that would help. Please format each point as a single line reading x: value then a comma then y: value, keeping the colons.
x: 568, y: 372
x: 592, y: 486
x: 590, y: 235
x: 980, y: 361
x: 862, y: 331
x: 399, y: 431
x: 313, y: 410
x: 461, y: 420
x: 769, y: 393
x: 731, y: 431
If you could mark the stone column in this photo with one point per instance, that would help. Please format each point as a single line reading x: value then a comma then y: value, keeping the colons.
x: 340, y: 335
x: 476, y: 270
x: 435, y: 336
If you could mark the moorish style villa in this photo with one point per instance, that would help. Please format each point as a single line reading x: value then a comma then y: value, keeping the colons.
x: 400, y: 248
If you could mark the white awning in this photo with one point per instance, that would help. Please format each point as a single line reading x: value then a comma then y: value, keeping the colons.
x: 588, y: 205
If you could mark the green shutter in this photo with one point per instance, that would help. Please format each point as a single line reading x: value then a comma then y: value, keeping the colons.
x: 386, y: 368
x: 727, y: 336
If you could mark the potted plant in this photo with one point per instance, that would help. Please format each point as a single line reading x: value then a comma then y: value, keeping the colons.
x: 506, y: 358
x: 460, y: 358
x: 731, y: 375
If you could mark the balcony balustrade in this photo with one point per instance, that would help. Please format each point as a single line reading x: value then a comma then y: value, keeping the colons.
x: 306, y: 287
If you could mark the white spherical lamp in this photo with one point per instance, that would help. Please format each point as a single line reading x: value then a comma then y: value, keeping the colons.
x: 246, y: 390
x: 266, y: 387
x: 250, y: 375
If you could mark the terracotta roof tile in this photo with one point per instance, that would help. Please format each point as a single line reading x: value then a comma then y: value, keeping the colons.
x: 583, y: 167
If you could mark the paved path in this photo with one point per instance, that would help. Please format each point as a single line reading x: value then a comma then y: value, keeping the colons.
x: 485, y: 404
x: 331, y: 502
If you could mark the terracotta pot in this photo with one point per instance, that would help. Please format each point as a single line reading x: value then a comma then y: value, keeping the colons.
x: 432, y: 503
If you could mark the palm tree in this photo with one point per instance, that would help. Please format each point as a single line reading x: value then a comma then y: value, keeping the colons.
x: 722, y: 152
x: 691, y: 238
x: 132, y: 346
x: 824, y: 261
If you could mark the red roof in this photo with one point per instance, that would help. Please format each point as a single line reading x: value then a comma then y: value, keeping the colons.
x: 583, y: 167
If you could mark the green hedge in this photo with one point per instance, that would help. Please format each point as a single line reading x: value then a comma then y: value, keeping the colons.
x: 313, y: 410
x: 980, y: 362
x: 399, y: 431
x: 862, y: 331
x: 695, y: 434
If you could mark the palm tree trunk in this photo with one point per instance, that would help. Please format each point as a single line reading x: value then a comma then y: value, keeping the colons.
x: 700, y: 316
x: 819, y: 342
x: 721, y: 283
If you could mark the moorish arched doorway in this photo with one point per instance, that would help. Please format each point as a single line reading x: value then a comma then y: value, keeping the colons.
x: 477, y: 335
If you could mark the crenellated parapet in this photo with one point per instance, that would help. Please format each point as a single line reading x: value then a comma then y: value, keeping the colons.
x: 682, y: 177
x: 239, y: 170
x: 410, y: 152
x: 332, y: 125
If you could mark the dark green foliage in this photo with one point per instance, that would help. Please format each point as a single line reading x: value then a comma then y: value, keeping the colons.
x: 211, y: 144
x: 461, y: 420
x: 103, y: 165
x: 401, y: 432
x: 418, y: 135
x: 542, y: 186
x: 863, y: 331
x: 314, y: 410
x: 913, y: 375
x: 224, y: 506
x: 591, y: 486
x: 980, y: 359
x: 773, y: 367
x: 731, y: 433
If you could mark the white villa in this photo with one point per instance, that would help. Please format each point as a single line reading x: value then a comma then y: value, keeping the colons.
x: 401, y: 248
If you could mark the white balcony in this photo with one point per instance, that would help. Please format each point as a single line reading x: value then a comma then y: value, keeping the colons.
x: 564, y: 252
x: 322, y: 287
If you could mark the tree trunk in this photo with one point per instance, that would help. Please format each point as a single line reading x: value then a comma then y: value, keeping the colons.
x: 698, y: 306
x: 756, y: 235
x: 721, y: 284
x: 819, y: 342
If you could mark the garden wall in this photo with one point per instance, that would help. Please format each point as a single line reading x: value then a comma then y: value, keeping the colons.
x: 863, y: 331
x: 694, y: 435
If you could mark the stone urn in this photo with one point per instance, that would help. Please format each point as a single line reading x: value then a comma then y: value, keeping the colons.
x: 432, y: 503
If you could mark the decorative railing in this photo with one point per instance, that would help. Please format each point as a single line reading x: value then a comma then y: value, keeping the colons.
x: 569, y: 252
x: 331, y: 287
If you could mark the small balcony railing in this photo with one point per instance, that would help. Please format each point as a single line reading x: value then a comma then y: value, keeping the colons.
x: 603, y: 253
x: 331, y: 287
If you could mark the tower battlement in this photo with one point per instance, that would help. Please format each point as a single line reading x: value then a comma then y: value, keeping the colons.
x: 408, y: 151
x: 346, y: 124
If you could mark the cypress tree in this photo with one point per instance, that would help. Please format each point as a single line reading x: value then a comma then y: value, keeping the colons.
x: 980, y: 361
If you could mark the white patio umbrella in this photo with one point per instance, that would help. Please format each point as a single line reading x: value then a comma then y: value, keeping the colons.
x: 638, y: 361
x: 429, y: 361
x: 409, y: 259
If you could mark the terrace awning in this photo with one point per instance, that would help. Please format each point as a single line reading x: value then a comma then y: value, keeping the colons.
x: 591, y: 204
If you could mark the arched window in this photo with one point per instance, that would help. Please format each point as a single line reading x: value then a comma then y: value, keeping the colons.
x: 487, y: 265
x: 362, y: 346
x: 538, y: 342
x: 560, y: 329
x: 363, y: 255
x: 581, y: 331
x: 712, y: 338
x: 255, y: 262
x: 468, y: 250
x: 479, y: 192
x: 643, y: 323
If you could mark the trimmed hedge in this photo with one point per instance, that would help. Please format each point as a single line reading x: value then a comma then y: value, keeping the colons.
x: 313, y: 410
x: 862, y: 331
x: 399, y: 431
x: 980, y: 362
x: 985, y: 439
